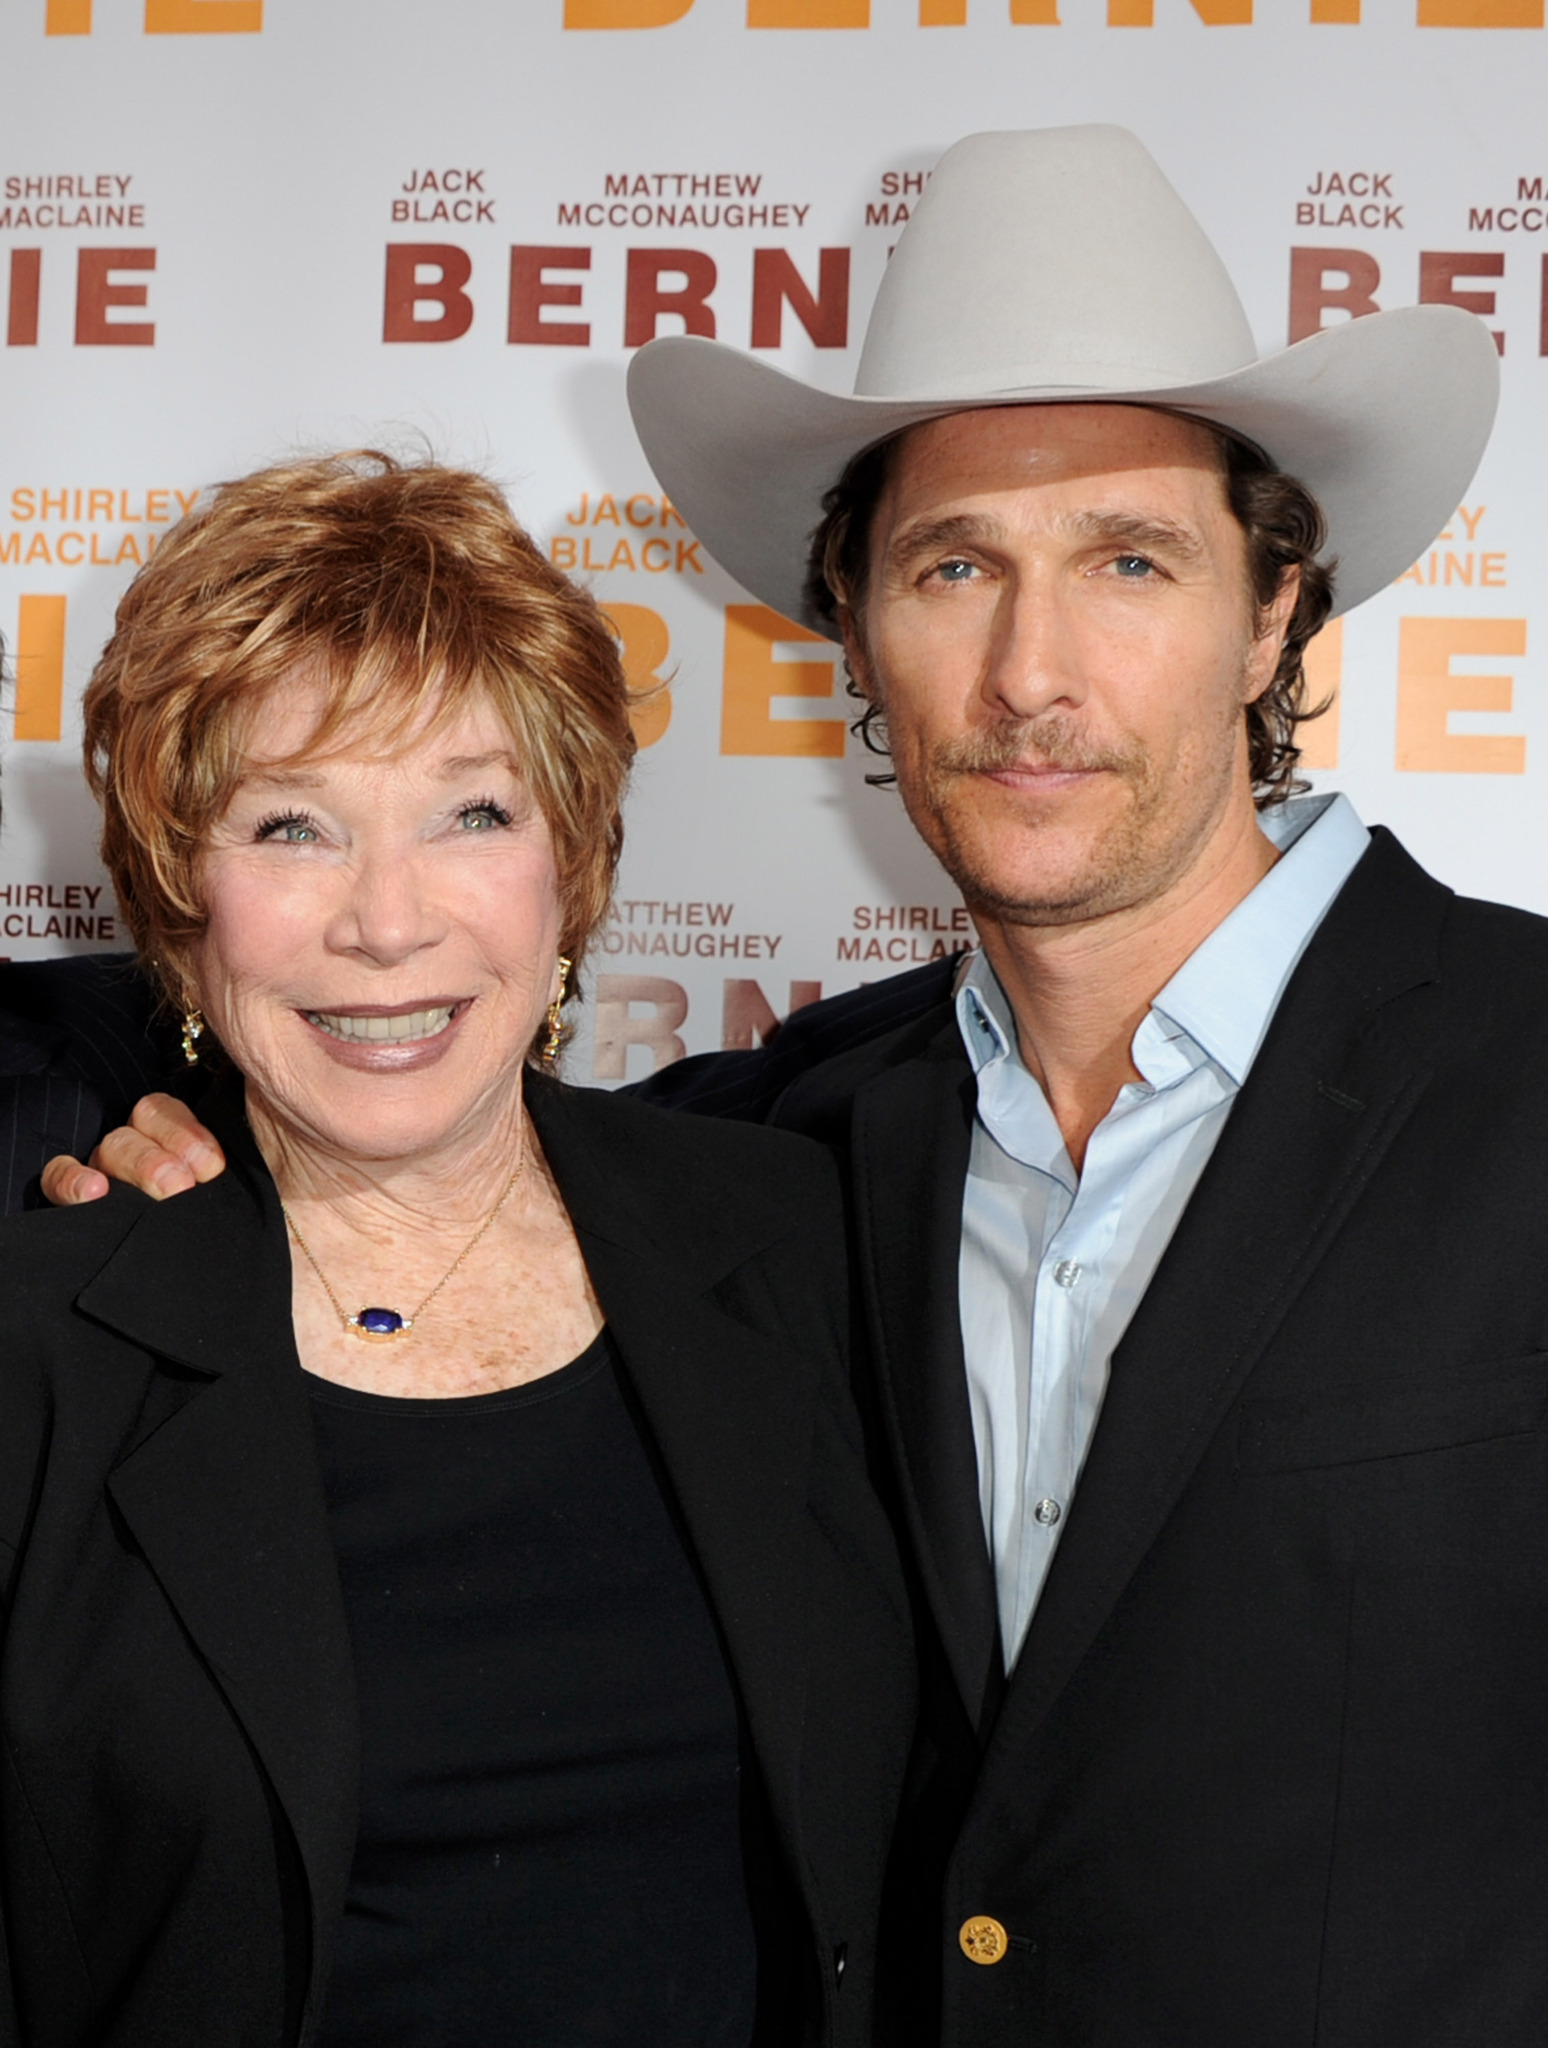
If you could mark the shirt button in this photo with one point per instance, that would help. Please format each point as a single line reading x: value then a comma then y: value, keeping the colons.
x: 1066, y: 1273
x: 1047, y: 1512
x: 983, y: 1940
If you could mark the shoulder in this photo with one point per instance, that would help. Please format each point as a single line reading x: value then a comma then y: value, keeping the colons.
x: 748, y: 1084
x: 820, y: 1101
x: 650, y: 1154
x: 78, y: 991
x: 1454, y: 984
x: 48, y: 1255
x: 1513, y: 940
x: 98, y: 1014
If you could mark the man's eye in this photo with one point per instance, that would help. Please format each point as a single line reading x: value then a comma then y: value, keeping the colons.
x: 955, y: 571
x: 1134, y: 567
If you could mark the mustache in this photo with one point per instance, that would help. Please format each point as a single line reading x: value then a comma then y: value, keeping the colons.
x: 1031, y: 743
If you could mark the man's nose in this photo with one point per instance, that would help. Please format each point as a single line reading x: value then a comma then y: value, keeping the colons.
x: 1034, y: 659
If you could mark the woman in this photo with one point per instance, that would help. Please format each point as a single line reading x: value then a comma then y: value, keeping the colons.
x: 442, y: 1599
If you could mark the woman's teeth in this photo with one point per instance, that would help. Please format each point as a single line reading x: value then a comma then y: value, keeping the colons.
x: 381, y: 1030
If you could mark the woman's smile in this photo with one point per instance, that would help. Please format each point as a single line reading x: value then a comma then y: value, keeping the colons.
x: 375, y: 1025
x: 382, y: 1039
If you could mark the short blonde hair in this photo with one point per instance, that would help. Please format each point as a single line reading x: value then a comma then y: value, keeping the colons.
x: 402, y: 587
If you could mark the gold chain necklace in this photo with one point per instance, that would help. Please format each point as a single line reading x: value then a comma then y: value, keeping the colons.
x: 383, y: 1325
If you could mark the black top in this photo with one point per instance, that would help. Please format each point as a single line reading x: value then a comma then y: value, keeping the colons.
x: 179, y: 1706
x: 550, y: 1774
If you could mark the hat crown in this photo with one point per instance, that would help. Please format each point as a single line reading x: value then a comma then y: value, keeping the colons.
x: 1056, y: 260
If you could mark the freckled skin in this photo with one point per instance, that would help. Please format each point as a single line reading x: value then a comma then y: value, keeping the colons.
x: 367, y: 881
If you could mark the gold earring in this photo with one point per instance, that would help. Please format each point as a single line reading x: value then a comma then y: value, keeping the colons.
x: 193, y: 1028
x: 556, y: 1014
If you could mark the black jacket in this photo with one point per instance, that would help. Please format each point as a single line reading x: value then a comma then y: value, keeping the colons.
x: 1272, y: 1766
x: 176, y: 1696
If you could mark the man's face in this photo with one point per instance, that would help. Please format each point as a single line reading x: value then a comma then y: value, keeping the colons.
x: 1060, y: 630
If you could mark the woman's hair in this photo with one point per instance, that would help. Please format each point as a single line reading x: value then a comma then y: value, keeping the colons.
x: 407, y: 589
x: 1284, y: 527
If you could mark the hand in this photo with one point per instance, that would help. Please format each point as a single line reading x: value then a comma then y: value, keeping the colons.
x: 162, y: 1151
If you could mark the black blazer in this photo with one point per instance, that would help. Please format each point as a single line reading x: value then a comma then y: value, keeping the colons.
x: 1272, y: 1767
x: 180, y: 1747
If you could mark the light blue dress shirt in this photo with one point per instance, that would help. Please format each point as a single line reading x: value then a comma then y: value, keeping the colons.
x: 1053, y: 1265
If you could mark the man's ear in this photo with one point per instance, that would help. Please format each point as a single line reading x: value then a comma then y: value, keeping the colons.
x: 1273, y: 624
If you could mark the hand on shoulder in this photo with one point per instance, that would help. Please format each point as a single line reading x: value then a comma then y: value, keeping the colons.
x: 163, y: 1150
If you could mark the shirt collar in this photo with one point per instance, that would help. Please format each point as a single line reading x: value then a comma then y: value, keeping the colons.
x: 1226, y: 992
x: 1224, y: 995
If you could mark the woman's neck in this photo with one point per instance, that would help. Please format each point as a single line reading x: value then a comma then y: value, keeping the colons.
x: 446, y: 1188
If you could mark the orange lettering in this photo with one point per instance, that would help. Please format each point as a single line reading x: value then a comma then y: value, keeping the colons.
x: 40, y: 647
x: 203, y: 17
x: 1428, y: 693
x: 624, y: 13
x: 754, y: 677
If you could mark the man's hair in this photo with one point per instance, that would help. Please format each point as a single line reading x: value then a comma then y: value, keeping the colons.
x: 407, y: 591
x: 1284, y: 527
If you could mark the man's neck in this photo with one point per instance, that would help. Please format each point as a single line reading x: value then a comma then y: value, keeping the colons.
x: 1079, y: 992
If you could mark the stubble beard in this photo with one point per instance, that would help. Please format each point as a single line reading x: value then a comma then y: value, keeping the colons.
x: 1129, y: 862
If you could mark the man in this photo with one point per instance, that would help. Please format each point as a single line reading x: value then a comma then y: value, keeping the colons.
x: 1198, y: 1220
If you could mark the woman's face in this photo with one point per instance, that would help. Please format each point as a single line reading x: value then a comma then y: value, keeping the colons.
x: 383, y: 932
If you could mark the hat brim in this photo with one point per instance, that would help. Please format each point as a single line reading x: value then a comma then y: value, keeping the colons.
x: 1384, y: 419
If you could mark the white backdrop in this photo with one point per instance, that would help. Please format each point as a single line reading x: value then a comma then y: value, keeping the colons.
x: 232, y: 228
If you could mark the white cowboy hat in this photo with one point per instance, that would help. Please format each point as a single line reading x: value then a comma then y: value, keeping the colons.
x: 1058, y: 263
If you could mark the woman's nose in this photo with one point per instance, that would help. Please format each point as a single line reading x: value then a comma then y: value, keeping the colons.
x: 388, y: 913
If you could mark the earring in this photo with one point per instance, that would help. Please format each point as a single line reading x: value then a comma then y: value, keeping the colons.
x: 556, y: 1014
x: 193, y: 1028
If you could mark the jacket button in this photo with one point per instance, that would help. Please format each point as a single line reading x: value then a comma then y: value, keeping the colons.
x: 983, y: 1940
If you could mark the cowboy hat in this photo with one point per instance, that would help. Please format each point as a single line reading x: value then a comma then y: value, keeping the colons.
x: 1059, y: 264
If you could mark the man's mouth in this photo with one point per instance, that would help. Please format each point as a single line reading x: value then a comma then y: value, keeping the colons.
x: 357, y: 1027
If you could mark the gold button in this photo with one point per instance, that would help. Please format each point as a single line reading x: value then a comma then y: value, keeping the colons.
x: 983, y: 1940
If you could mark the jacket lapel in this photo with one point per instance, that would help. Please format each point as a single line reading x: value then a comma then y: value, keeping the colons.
x: 1332, y: 1086
x: 731, y: 1412
x: 911, y: 1138
x: 223, y: 1495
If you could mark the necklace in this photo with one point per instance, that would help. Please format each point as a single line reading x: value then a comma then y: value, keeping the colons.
x: 383, y: 1325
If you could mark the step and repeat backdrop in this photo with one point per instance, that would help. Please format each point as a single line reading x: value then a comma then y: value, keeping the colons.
x: 231, y: 229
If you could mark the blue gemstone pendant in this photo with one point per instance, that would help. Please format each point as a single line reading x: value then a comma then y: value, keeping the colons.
x: 379, y: 1325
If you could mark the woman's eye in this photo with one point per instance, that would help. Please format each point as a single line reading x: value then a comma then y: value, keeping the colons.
x: 293, y: 831
x: 484, y: 817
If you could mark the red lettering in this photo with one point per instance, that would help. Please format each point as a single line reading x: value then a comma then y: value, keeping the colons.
x: 1311, y: 294
x: 531, y: 292
x: 95, y: 294
x: 22, y: 320
x: 407, y: 291
x: 777, y: 282
x: 1439, y: 270
x: 647, y: 299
